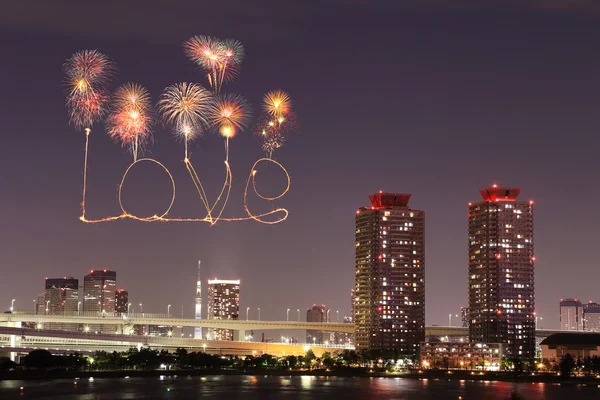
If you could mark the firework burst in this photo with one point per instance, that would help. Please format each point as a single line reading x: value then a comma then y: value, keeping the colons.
x: 130, y: 119
x: 187, y: 107
x: 88, y: 72
x: 231, y: 115
x: 277, y: 104
x: 220, y: 59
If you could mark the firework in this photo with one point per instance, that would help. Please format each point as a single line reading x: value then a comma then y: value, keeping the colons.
x: 88, y: 73
x: 219, y: 59
x: 231, y: 114
x: 277, y: 104
x: 130, y: 119
x: 187, y: 107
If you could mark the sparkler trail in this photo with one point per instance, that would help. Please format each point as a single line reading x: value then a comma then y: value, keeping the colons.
x: 88, y: 73
x: 189, y: 110
x: 130, y: 119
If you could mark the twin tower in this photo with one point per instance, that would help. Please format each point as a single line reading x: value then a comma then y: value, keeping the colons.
x: 389, y: 293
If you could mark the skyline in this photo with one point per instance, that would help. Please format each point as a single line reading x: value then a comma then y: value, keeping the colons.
x: 466, y: 98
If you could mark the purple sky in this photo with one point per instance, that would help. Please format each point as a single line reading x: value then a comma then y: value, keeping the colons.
x: 430, y: 99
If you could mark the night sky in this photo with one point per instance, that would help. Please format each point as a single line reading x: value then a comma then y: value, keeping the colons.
x: 429, y: 99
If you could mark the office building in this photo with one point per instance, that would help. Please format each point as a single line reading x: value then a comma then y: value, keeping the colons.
x: 223, y: 303
x: 571, y: 315
x: 317, y: 314
x: 464, y: 317
x: 61, y: 298
x: 121, y: 301
x: 198, y: 304
x: 99, y: 289
x: 501, y: 271
x: 591, y: 317
x: 389, y: 289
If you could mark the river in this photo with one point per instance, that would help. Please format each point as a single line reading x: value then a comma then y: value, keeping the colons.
x: 287, y: 387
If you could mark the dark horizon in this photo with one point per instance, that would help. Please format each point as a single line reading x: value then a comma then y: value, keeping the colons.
x: 434, y: 98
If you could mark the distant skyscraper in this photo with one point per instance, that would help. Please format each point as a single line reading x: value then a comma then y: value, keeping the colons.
x: 464, y: 317
x: 501, y: 281
x: 591, y: 317
x: 317, y: 314
x: 99, y: 288
x: 61, y: 298
x: 571, y: 315
x: 198, y: 304
x: 389, y: 290
x: 223, y: 303
x: 121, y: 301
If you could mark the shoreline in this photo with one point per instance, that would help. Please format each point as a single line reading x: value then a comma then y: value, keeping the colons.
x: 345, y: 373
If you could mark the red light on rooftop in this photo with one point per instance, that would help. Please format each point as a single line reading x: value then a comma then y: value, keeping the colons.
x: 104, y: 270
x: 91, y: 271
x: 494, y: 185
x: 470, y: 204
x: 532, y: 258
x: 381, y: 191
x: 530, y: 202
x: 358, y: 211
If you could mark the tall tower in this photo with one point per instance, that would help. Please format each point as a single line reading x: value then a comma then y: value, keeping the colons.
x: 389, y: 286
x: 571, y: 315
x: 198, y: 305
x: 223, y: 303
x: 99, y: 297
x: 61, y: 298
x: 99, y: 288
x: 501, y: 281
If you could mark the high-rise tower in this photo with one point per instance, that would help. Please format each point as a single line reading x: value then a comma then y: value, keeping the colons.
x: 223, y: 303
x: 389, y: 289
x: 501, y: 281
x: 198, y: 304
x: 99, y: 288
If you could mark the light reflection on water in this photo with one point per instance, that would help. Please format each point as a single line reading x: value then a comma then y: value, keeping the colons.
x: 261, y: 387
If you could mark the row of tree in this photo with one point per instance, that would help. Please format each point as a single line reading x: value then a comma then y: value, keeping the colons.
x: 585, y: 366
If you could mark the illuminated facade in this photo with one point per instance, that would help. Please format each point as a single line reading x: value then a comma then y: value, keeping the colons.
x: 121, y: 301
x: 389, y: 288
x: 464, y: 317
x: 571, y: 315
x: 198, y: 304
x: 457, y: 355
x: 501, y: 272
x: 223, y: 303
x: 61, y: 298
x: 591, y: 317
x: 99, y: 289
x: 317, y: 314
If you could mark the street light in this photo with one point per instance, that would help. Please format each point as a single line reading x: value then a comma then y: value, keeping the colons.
x: 141, y: 308
x: 78, y: 304
x: 247, y: 309
x: 298, y: 315
x: 449, y: 319
x: 259, y: 313
x: 35, y: 306
x: 338, y: 316
x: 287, y: 315
x: 128, y: 306
x: 168, y: 310
x: 47, y: 302
x: 12, y: 305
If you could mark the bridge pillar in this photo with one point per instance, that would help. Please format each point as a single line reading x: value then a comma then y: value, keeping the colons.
x: 13, y: 340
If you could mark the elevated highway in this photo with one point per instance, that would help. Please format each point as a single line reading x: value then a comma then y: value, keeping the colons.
x: 26, y: 339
